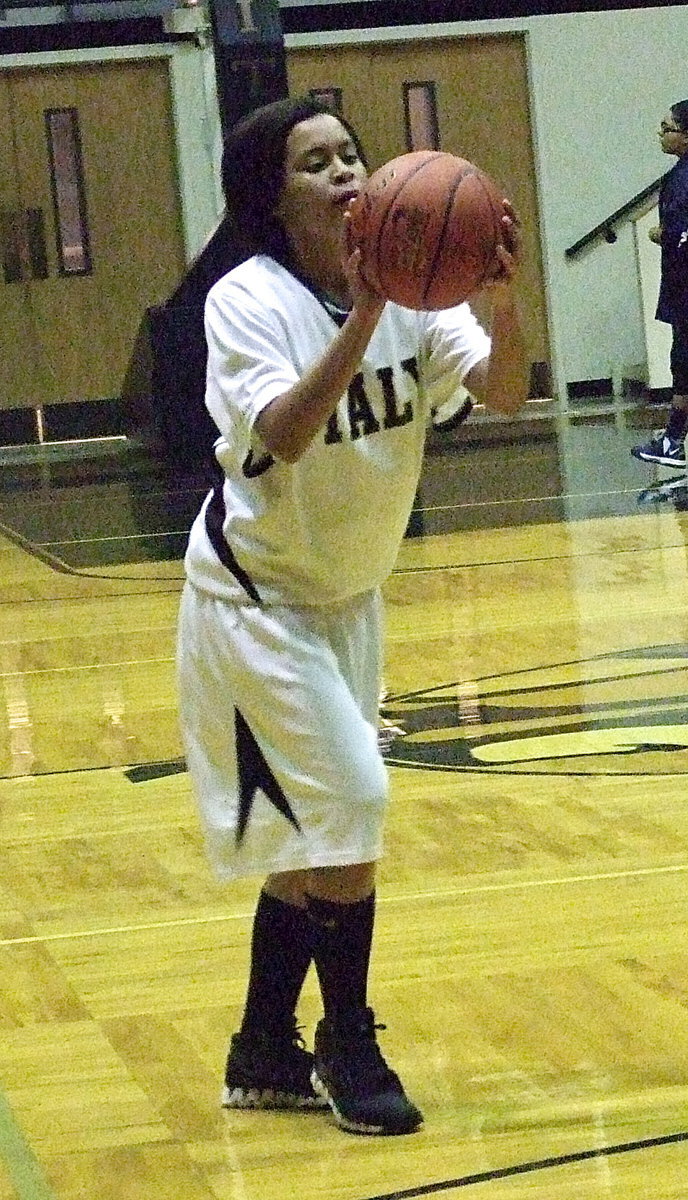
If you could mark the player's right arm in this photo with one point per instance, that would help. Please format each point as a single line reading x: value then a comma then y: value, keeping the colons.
x: 288, y: 425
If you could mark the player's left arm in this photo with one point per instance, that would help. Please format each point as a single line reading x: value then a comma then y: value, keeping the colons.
x: 501, y: 380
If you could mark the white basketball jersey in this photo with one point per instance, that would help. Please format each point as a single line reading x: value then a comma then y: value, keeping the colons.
x: 329, y: 526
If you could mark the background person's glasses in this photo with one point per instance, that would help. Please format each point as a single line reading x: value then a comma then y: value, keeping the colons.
x: 664, y: 128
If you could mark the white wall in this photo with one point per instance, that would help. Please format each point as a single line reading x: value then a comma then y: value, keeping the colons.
x: 657, y: 333
x: 198, y: 137
x: 600, y: 83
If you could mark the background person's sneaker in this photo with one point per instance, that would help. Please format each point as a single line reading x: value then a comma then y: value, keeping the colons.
x: 351, y: 1074
x: 666, y: 451
x: 267, y: 1071
x: 674, y: 491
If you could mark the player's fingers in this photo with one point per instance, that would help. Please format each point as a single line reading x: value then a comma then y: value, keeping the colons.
x: 347, y: 235
x: 505, y: 267
x: 511, y: 235
x: 510, y: 212
x: 507, y: 259
x: 358, y: 282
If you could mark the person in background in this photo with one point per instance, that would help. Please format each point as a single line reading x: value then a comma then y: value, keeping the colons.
x: 322, y: 394
x: 668, y: 447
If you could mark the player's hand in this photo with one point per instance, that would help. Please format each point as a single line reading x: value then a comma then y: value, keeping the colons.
x: 363, y: 295
x: 508, y: 253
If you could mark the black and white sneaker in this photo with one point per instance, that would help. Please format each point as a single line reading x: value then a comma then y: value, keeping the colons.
x: 352, y: 1076
x: 387, y: 733
x: 268, y: 1071
x: 666, y: 451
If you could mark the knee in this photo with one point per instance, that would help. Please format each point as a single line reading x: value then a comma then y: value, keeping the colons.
x: 341, y: 885
x: 288, y: 886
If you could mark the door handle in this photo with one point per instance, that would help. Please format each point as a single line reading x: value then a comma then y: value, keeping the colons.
x: 11, y: 237
x: 35, y: 237
x: 22, y: 245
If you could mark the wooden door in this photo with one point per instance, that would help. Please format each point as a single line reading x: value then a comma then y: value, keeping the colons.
x: 17, y: 366
x: 481, y: 90
x: 93, y: 149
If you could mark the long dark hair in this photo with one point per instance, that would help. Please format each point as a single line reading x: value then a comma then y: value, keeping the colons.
x: 253, y: 170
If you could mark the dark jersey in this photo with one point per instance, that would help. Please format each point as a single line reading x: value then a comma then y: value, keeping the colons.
x: 672, y: 305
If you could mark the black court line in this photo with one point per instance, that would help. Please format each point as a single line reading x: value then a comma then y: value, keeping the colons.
x: 62, y: 568
x: 136, y: 773
x: 411, y: 765
x: 541, y: 558
x: 528, y: 1168
x: 145, y: 772
x: 650, y: 652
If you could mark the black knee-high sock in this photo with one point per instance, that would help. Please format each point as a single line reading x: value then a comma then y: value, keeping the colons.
x: 677, y: 423
x: 343, y: 935
x: 281, y: 953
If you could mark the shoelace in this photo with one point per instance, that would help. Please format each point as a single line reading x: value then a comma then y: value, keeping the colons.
x: 366, y: 1057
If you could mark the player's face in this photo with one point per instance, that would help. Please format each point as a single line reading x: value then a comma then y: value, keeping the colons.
x: 322, y: 175
x: 672, y: 139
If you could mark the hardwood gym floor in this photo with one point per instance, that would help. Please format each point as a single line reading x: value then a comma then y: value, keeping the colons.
x: 530, y: 961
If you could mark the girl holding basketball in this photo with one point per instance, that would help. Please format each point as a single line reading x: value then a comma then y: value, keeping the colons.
x: 321, y: 393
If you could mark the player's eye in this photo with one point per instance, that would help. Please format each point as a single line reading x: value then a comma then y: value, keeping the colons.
x: 315, y: 164
x: 319, y: 161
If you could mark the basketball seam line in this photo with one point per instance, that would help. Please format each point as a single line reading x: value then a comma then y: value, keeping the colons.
x: 485, y: 277
x: 394, y: 198
x: 440, y: 241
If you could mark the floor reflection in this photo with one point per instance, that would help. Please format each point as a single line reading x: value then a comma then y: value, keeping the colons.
x: 667, y: 491
x: 104, y: 506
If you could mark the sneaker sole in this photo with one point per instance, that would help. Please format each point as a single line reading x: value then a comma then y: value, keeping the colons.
x: 268, y: 1098
x: 350, y: 1126
x: 664, y: 490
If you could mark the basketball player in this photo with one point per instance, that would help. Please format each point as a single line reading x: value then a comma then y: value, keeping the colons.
x: 321, y: 393
x: 668, y: 448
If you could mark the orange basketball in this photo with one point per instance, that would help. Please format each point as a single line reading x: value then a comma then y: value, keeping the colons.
x: 427, y: 225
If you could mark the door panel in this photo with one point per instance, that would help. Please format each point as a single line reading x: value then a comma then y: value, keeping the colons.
x: 17, y: 343
x: 482, y: 108
x: 85, y: 324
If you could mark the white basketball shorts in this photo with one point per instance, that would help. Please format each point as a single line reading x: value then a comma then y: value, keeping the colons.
x: 279, y: 712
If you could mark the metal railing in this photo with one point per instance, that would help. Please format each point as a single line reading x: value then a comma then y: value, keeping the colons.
x: 606, y: 229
